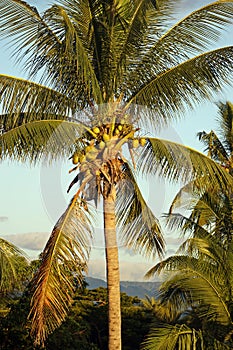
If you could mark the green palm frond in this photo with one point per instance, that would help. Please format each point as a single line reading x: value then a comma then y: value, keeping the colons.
x: 225, y: 120
x: 185, y: 38
x: 63, y: 260
x: 9, y: 255
x: 42, y: 139
x: 164, y: 336
x: 23, y: 101
x: 170, y: 92
x: 181, y: 163
x: 138, y: 227
x: 185, y: 225
x: 200, y: 276
x: 214, y: 146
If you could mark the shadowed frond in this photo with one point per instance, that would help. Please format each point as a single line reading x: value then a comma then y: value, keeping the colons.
x: 63, y: 260
x: 9, y: 255
x: 172, y: 91
x: 41, y: 139
x: 214, y: 146
x: 225, y: 120
x: 138, y: 227
x: 180, y: 163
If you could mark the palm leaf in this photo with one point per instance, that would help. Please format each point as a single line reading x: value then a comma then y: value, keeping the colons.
x: 9, y: 255
x: 184, y: 85
x: 63, y: 260
x: 214, y: 146
x: 225, y: 120
x: 180, y: 163
x: 164, y: 336
x: 138, y: 227
x: 185, y: 38
x: 20, y: 97
x: 42, y: 139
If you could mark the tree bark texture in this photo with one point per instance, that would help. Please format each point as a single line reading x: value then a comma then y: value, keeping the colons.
x: 113, y: 273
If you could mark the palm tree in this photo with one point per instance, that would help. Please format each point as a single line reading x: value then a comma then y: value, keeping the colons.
x: 106, y: 69
x: 196, y: 298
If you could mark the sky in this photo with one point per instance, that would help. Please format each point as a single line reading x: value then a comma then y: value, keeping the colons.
x: 33, y: 198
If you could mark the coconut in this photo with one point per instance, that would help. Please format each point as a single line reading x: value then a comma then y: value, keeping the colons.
x: 135, y: 143
x: 142, y: 141
x: 75, y: 158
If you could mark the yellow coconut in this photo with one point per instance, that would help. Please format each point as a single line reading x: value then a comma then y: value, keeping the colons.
x: 75, y: 158
x: 106, y: 137
x: 142, y: 141
x: 96, y: 130
x: 135, y: 143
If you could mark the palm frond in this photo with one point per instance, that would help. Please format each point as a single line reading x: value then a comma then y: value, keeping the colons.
x: 138, y: 227
x: 184, y: 85
x: 42, y: 139
x: 180, y: 163
x: 163, y: 336
x: 32, y: 101
x: 225, y: 120
x: 214, y: 146
x: 9, y: 255
x: 190, y: 36
x: 63, y: 260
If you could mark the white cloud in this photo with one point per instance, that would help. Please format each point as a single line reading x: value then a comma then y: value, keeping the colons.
x: 129, y: 271
x: 30, y: 240
x: 3, y: 218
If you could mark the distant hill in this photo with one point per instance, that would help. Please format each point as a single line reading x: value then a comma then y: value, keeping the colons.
x: 139, y: 289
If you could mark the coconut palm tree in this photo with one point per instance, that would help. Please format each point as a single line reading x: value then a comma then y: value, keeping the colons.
x: 106, y: 69
x: 196, y: 297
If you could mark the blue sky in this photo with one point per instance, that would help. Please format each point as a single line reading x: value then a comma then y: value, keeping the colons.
x: 33, y: 198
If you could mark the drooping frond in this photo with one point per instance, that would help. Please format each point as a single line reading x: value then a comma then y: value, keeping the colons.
x: 63, y: 261
x: 41, y: 139
x: 170, y: 92
x: 138, y: 227
x: 9, y: 255
x: 163, y: 336
x: 180, y: 163
x: 24, y: 101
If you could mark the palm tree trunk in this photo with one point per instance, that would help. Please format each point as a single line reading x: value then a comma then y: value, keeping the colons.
x: 113, y: 273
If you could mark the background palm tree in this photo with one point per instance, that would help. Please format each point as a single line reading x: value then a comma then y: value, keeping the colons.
x: 196, y: 297
x: 106, y: 59
x: 198, y: 294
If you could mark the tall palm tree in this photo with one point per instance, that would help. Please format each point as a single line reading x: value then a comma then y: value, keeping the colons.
x: 106, y: 69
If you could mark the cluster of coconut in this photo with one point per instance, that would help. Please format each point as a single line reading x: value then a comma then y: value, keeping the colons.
x: 99, y: 138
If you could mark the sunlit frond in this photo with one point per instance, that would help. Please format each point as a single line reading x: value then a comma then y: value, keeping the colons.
x: 169, y: 93
x: 41, y: 139
x: 138, y: 227
x: 180, y: 163
x: 63, y: 261
x: 23, y: 101
x: 183, y: 39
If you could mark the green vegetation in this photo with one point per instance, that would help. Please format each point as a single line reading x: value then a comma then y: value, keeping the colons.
x: 85, y: 327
